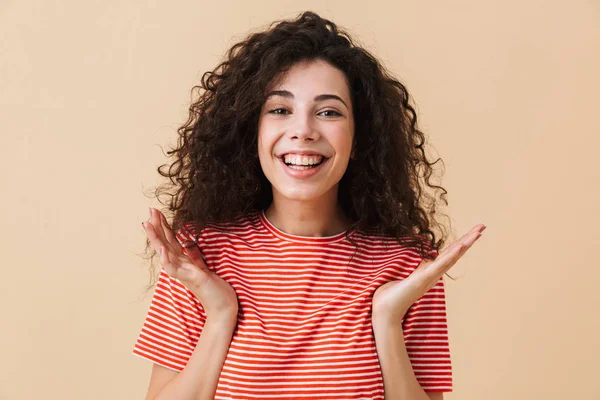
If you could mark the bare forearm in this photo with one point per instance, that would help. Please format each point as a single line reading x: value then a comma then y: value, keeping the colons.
x: 198, y: 380
x: 399, y: 380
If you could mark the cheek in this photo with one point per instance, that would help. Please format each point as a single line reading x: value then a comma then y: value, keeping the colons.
x: 343, y: 144
x: 265, y: 149
x: 267, y: 137
x: 262, y: 137
x: 265, y: 146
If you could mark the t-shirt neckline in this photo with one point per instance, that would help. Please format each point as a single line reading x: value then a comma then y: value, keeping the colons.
x: 302, y: 239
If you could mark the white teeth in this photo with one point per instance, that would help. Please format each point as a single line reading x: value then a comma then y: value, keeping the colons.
x: 302, y: 160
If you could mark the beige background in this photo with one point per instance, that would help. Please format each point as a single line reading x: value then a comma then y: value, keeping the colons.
x: 507, y: 91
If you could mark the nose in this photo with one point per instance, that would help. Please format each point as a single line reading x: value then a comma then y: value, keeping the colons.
x: 303, y: 129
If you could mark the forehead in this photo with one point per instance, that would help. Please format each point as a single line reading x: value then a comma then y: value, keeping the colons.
x: 311, y: 77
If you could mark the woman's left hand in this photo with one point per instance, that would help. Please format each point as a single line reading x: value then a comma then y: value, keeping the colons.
x: 392, y: 300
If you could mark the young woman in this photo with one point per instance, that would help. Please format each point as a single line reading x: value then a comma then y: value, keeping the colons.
x: 301, y: 261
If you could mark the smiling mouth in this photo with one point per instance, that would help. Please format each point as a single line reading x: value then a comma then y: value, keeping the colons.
x: 300, y: 163
x: 303, y: 167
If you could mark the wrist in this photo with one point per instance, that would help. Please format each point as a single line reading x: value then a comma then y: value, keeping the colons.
x: 390, y: 305
x: 386, y: 316
x: 223, y: 317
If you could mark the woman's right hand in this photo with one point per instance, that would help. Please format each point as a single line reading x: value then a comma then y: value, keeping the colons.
x: 218, y: 298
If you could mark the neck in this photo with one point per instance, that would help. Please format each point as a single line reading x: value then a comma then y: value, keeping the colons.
x: 318, y: 218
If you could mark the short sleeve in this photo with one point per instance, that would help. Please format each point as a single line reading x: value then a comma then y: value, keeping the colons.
x: 426, y: 339
x: 172, y: 325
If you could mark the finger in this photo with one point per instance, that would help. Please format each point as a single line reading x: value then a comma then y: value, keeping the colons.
x: 193, y: 252
x: 475, y: 230
x: 459, y: 250
x: 163, y: 255
x: 155, y: 240
x: 165, y: 261
x: 433, y: 271
x: 442, y: 264
x: 168, y: 232
x: 471, y: 238
x: 189, y: 247
x: 156, y: 224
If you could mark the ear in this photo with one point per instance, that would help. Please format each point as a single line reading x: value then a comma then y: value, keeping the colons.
x: 353, y: 153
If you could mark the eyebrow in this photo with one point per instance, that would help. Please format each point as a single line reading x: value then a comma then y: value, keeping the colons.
x: 321, y: 97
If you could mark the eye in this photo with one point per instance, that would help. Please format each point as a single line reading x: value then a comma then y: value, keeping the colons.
x: 274, y: 111
x: 337, y: 114
x: 283, y: 111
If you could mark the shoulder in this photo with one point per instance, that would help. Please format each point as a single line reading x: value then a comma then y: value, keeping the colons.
x: 371, y: 241
x: 389, y: 249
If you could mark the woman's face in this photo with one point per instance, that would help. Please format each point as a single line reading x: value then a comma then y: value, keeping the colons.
x: 306, y: 132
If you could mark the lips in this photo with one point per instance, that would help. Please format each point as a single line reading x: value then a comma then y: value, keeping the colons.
x: 302, y: 157
x: 302, y: 153
x: 302, y: 171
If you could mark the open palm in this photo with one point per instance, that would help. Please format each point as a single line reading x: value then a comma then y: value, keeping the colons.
x: 187, y: 266
x: 393, y: 299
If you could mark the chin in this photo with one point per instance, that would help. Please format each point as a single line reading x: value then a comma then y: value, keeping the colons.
x: 300, y: 195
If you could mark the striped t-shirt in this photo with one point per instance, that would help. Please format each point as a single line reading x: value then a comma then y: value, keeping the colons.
x: 304, y: 322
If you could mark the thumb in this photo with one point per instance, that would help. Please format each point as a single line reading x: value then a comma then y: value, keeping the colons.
x: 193, y: 252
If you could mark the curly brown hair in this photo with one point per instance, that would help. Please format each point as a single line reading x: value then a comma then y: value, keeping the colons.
x: 216, y: 175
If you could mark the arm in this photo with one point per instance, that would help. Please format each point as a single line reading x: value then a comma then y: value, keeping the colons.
x: 198, y: 380
x: 435, y: 395
x: 399, y: 379
x: 188, y: 298
x: 424, y: 288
